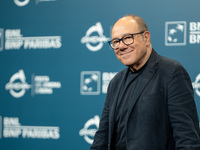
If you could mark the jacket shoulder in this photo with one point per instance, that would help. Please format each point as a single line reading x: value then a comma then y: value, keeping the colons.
x: 168, y: 64
x: 171, y: 68
x: 165, y: 61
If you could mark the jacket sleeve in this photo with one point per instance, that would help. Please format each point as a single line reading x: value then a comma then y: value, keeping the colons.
x: 101, y: 136
x: 182, y: 110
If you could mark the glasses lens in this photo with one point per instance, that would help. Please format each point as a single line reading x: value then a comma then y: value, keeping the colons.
x: 115, y: 43
x: 128, y: 39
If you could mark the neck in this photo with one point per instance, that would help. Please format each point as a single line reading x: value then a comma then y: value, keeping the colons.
x: 139, y: 65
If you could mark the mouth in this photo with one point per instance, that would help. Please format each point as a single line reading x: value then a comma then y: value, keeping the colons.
x: 125, y: 52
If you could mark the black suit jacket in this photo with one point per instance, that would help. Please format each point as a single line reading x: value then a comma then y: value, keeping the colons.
x: 162, y: 114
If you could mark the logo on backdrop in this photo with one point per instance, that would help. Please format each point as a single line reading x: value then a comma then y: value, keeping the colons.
x: 176, y: 33
x: 1, y: 39
x: 21, y: 2
x: 12, y: 128
x: 106, y: 78
x: 17, y: 86
x: 90, y: 129
x: 194, y: 32
x: 91, y: 82
x: 14, y: 40
x: 94, y: 38
x: 196, y: 85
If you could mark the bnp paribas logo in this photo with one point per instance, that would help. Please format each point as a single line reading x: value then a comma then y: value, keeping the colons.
x: 175, y: 33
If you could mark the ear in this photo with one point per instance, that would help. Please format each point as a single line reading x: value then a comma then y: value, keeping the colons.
x: 147, y: 37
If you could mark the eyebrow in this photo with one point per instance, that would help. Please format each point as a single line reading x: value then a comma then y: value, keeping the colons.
x: 122, y: 36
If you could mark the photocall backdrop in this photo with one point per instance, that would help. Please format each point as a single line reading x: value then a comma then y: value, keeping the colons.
x: 56, y: 64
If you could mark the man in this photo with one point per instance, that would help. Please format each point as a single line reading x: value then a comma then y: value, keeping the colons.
x: 150, y: 104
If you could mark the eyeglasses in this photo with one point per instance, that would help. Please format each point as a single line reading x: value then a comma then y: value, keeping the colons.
x: 127, y: 39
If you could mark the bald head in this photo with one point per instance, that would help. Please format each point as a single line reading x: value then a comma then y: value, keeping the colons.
x: 133, y: 20
x: 141, y: 23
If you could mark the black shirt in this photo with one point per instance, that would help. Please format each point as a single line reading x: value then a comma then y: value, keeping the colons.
x: 128, y: 87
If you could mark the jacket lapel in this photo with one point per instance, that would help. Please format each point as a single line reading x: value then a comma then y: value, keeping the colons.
x: 146, y: 76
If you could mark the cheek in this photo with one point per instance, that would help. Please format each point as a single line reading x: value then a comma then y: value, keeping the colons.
x: 117, y: 54
x: 140, y: 50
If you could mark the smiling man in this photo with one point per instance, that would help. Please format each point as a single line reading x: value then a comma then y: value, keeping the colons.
x: 150, y: 104
x: 135, y: 53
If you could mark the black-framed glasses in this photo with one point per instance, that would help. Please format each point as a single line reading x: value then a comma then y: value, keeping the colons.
x: 127, y: 39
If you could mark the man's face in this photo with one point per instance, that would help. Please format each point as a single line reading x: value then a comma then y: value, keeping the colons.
x: 135, y: 54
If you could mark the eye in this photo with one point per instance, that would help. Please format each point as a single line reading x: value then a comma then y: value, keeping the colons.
x: 127, y: 37
x: 115, y: 42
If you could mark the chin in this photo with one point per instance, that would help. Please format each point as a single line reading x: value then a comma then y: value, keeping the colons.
x: 128, y: 64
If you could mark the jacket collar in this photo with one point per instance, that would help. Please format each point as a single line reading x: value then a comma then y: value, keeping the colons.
x: 146, y: 76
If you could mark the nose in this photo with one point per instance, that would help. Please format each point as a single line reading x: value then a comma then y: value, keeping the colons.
x: 122, y: 46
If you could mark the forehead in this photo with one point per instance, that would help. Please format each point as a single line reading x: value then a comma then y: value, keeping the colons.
x: 124, y: 26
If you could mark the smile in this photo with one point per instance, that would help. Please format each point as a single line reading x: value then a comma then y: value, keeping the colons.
x: 126, y: 52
